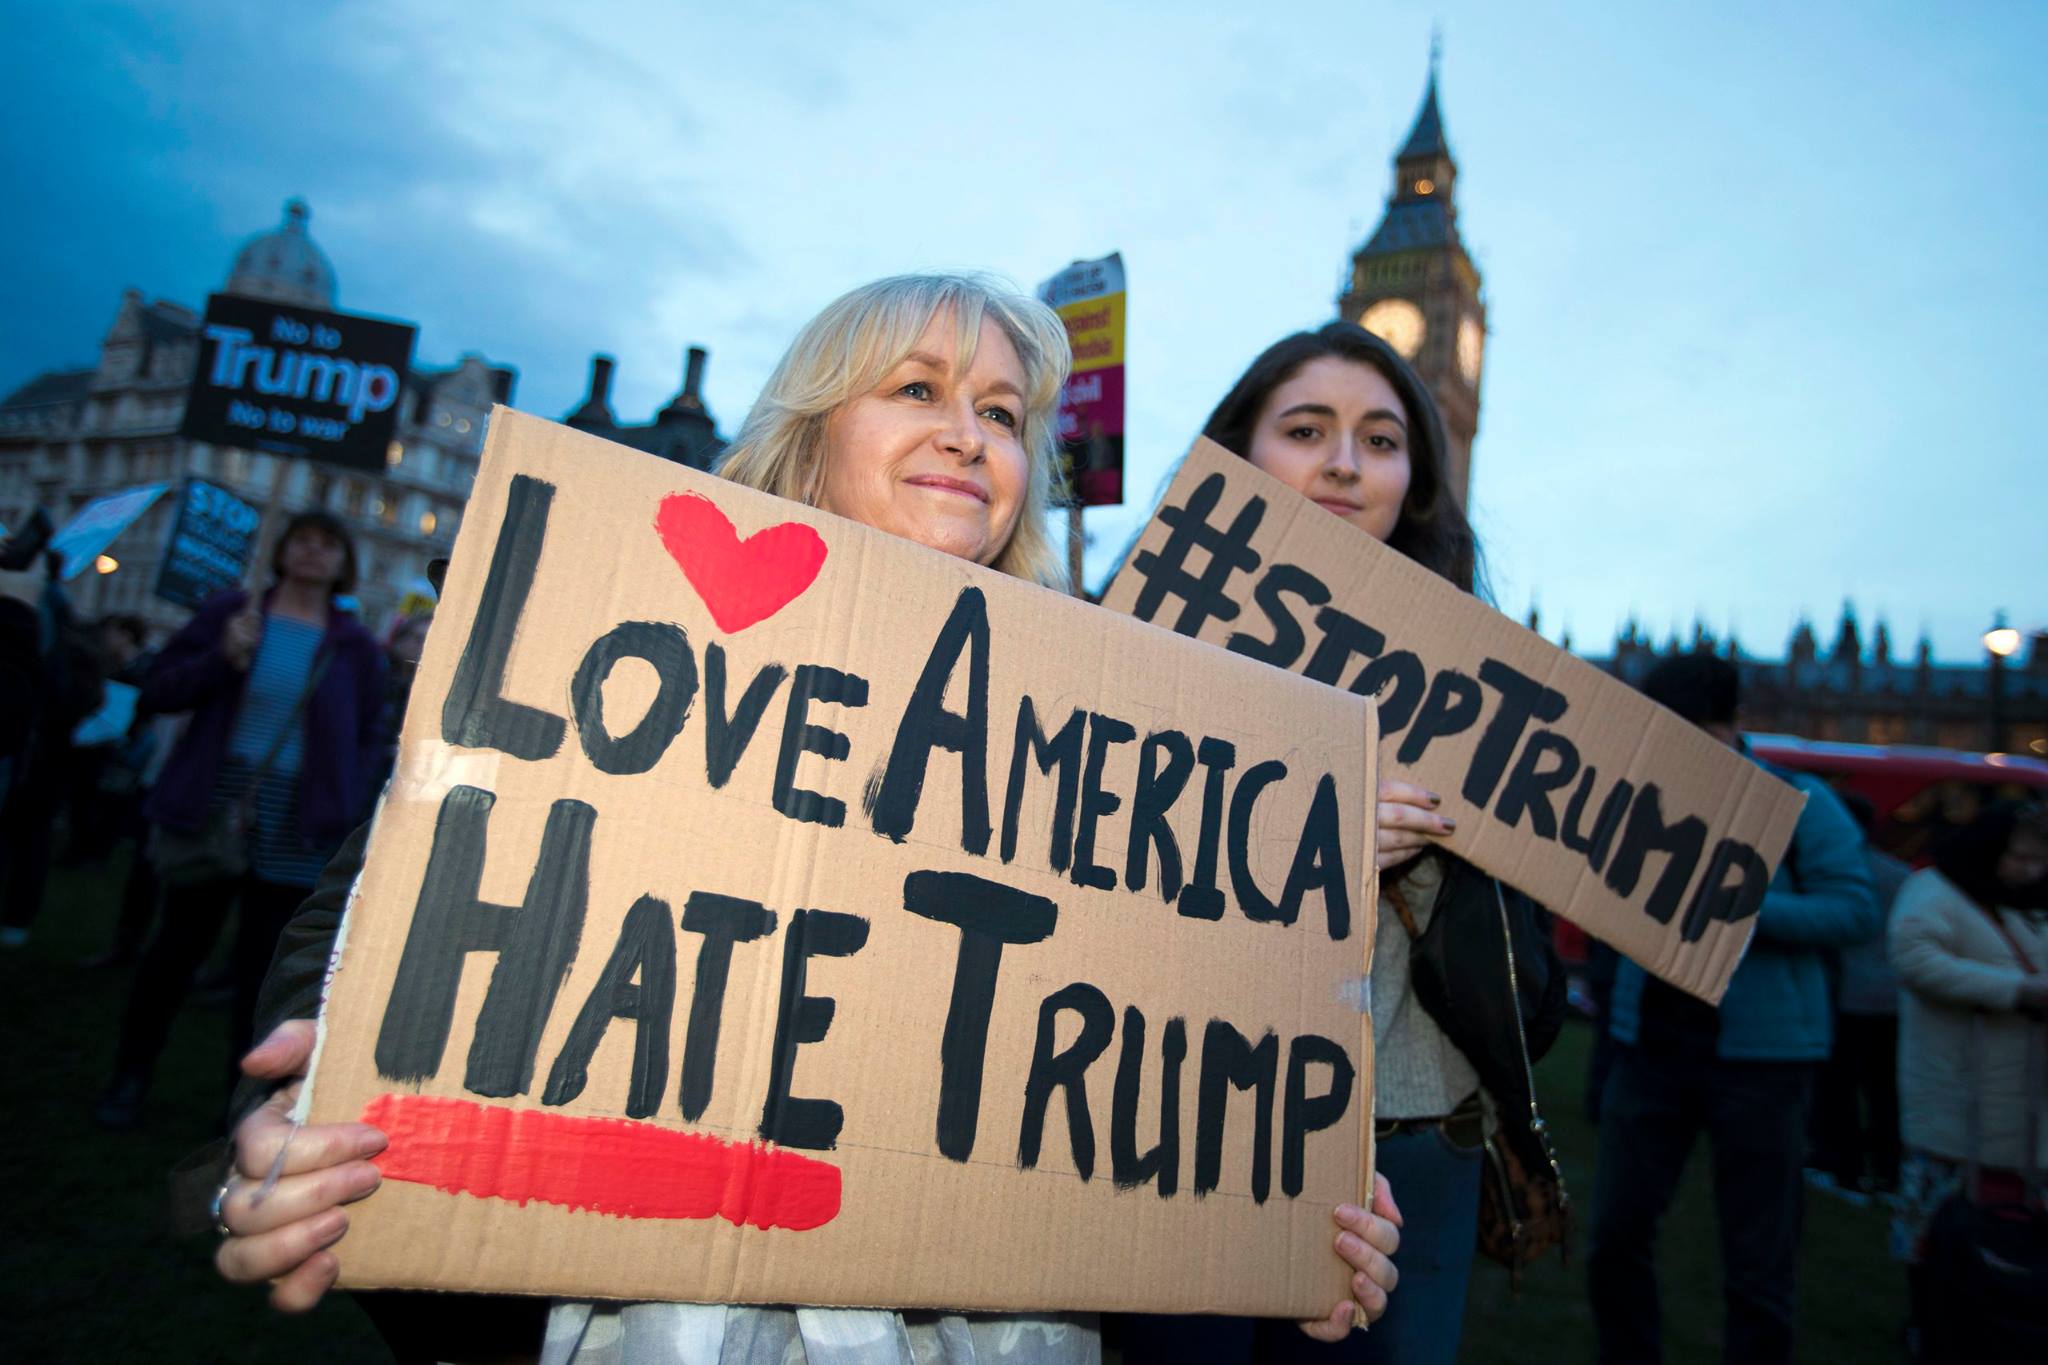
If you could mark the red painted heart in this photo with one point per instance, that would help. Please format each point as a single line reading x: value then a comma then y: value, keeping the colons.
x: 742, y: 582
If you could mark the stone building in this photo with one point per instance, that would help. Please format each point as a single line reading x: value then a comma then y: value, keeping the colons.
x: 1414, y: 284
x: 1860, y: 692
x: 69, y: 436
x: 682, y: 431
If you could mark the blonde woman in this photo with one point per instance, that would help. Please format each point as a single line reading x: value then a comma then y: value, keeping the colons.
x: 922, y: 406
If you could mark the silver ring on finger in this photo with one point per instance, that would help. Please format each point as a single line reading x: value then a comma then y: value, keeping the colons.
x: 220, y: 1199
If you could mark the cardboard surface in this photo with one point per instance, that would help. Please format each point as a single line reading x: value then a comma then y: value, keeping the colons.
x: 1564, y: 781
x: 756, y: 1070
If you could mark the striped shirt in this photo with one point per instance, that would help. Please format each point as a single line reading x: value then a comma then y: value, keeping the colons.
x: 278, y: 675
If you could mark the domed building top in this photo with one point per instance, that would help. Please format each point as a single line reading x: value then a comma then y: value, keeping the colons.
x: 284, y: 265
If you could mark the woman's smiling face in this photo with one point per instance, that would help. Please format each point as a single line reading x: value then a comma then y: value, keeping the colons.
x: 1337, y: 433
x: 934, y: 454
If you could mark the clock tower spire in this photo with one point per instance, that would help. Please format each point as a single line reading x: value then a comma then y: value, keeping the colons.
x: 1413, y: 283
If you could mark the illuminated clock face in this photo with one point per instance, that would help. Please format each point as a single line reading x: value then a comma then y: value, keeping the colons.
x: 1471, y: 349
x: 1399, y: 322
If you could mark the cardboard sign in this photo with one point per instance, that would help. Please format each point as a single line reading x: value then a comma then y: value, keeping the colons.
x: 298, y: 381
x: 768, y: 909
x: 1564, y: 781
x: 1089, y: 297
x: 209, y: 544
x: 83, y: 539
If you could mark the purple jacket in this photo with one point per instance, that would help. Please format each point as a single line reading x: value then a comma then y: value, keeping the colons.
x: 341, y: 722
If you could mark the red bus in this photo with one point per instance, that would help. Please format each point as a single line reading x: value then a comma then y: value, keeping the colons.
x: 1916, y: 791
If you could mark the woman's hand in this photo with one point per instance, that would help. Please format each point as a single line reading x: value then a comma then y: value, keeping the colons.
x: 284, y: 1238
x: 1408, y: 822
x: 1367, y: 1245
x: 238, y: 641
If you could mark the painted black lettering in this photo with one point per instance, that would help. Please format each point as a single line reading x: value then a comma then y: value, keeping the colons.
x: 1522, y: 699
x: 726, y: 735
x: 1343, y: 636
x: 1153, y: 797
x: 988, y: 915
x: 1548, y: 763
x: 1103, y: 731
x: 1162, y: 1163
x: 814, y: 682
x: 1319, y: 863
x: 638, y: 983
x: 1451, y: 708
x: 667, y: 649
x: 476, y: 714
x: 1682, y: 841
x: 1302, y: 1113
x: 1062, y: 751
x: 1615, y: 805
x: 1250, y: 899
x: 1402, y: 679
x: 1200, y: 898
x: 535, y: 943
x: 928, y: 725
x: 1054, y: 1068
x: 1229, y: 551
x: 1288, y: 641
x: 1230, y: 1062
x: 1717, y: 900
x: 801, y: 1018
x: 723, y: 921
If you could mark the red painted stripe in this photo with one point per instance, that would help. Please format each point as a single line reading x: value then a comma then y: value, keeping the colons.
x: 615, y: 1166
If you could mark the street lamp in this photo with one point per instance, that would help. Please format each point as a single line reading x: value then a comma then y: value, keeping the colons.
x: 2000, y: 642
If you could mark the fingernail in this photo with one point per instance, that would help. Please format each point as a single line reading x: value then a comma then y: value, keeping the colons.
x: 330, y: 1227
x: 1435, y: 800
x: 1449, y: 823
x: 372, y: 1141
x: 1348, y: 1213
x: 366, y: 1179
x: 1349, y: 1244
x: 1346, y: 1312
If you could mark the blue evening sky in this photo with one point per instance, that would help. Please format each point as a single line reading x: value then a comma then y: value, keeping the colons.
x: 1767, y: 285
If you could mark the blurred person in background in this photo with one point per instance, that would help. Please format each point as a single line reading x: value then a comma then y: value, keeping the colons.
x: 69, y: 687
x: 110, y: 747
x: 401, y: 666
x: 285, y: 692
x: 1741, y: 1072
x: 1856, y: 1095
x: 1973, y: 968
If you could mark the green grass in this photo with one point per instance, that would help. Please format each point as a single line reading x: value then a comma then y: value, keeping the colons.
x: 1851, y: 1295
x: 89, y: 1266
x: 90, y: 1269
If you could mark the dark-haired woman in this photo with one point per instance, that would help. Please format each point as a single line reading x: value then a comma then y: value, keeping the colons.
x: 1339, y: 417
x: 1973, y: 971
x: 284, y: 693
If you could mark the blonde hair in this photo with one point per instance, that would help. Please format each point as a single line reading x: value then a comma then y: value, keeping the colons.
x: 846, y: 350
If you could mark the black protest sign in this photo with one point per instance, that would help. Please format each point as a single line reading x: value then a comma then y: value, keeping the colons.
x: 298, y: 381
x: 1564, y: 781
x: 209, y: 544
x: 767, y: 909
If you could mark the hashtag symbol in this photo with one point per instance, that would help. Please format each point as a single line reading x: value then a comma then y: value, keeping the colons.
x: 1230, y: 552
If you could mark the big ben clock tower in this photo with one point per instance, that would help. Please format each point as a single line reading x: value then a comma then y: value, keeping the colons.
x: 1413, y: 284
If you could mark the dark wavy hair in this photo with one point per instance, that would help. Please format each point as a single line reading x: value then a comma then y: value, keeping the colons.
x: 1432, y: 529
x: 1968, y: 855
x: 316, y: 520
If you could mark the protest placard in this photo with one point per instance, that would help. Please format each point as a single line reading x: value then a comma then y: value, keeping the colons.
x: 298, y: 381
x: 767, y: 909
x: 1564, y: 781
x: 1090, y: 296
x: 209, y: 543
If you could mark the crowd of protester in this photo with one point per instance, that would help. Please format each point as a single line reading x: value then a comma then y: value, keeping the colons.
x: 1881, y: 1039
